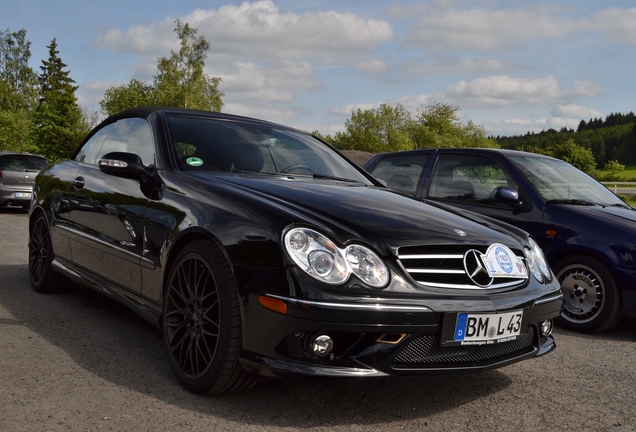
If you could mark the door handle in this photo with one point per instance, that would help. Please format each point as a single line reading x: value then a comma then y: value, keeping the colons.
x: 79, y: 183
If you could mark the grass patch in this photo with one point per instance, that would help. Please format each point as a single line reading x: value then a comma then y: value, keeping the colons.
x: 628, y: 174
x: 629, y: 199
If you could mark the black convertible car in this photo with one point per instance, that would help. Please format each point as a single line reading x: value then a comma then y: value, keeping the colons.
x: 259, y: 250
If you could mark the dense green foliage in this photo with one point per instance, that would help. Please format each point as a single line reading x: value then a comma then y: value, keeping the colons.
x: 388, y: 128
x: 179, y: 82
x: 18, y: 91
x: 134, y: 94
x: 58, y: 123
x: 612, y: 139
x: 38, y: 112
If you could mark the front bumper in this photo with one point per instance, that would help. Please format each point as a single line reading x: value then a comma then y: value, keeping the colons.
x: 380, y: 339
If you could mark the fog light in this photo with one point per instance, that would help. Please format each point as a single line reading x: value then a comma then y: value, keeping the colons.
x: 322, y: 345
x: 546, y: 328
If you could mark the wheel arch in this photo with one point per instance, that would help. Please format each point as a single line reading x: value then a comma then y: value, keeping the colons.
x: 590, y: 253
x: 196, y: 233
x: 33, y: 215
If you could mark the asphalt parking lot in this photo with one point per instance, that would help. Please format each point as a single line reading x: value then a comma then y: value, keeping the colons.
x: 76, y: 361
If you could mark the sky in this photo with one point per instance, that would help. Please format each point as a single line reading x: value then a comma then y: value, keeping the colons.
x: 510, y: 66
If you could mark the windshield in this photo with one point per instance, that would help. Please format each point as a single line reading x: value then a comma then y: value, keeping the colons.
x: 558, y: 181
x: 204, y: 144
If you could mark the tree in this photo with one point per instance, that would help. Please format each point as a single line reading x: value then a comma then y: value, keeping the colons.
x: 181, y: 80
x: 614, y: 166
x: 58, y: 118
x: 135, y: 94
x: 18, y: 82
x: 15, y: 131
x: 439, y: 125
x: 18, y: 92
x: 385, y: 128
x: 576, y: 155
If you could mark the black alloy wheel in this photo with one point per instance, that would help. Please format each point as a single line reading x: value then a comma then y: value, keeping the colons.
x: 202, y: 323
x: 43, y: 278
x: 592, y: 300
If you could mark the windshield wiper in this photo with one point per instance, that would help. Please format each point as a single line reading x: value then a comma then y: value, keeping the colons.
x: 618, y: 205
x: 572, y: 201
x: 328, y: 177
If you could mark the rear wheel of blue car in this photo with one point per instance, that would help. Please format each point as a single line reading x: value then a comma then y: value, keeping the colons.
x: 592, y: 300
x: 202, y: 323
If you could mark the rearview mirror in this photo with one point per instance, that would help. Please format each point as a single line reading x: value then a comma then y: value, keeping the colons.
x: 507, y: 195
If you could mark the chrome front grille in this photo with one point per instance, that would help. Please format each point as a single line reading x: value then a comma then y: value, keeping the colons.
x: 444, y: 266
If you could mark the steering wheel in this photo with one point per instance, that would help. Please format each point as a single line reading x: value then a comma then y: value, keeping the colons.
x: 297, y: 167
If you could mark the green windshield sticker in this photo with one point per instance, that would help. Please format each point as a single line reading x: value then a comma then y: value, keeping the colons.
x: 194, y: 161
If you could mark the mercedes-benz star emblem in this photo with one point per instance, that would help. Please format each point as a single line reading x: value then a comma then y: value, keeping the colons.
x: 476, y: 269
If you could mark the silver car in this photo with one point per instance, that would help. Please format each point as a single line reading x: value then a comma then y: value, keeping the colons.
x: 17, y: 173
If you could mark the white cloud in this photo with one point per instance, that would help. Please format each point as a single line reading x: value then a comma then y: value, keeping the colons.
x: 502, y: 90
x: 413, y: 69
x: 372, y: 67
x: 259, y: 30
x: 573, y: 111
x: 287, y: 115
x: 346, y: 110
x: 617, y: 25
x: 250, y: 82
x: 140, y: 39
x: 462, y: 28
x: 450, y: 26
x: 90, y: 93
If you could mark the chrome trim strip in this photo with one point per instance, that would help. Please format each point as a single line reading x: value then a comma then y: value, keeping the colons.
x: 109, y: 245
x: 374, y: 307
x: 471, y: 287
x: 431, y: 256
x: 439, y: 271
x: 548, y: 300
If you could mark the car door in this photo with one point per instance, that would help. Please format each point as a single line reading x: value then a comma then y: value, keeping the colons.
x: 469, y: 180
x: 107, y: 212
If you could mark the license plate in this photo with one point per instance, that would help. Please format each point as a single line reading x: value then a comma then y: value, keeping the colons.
x: 22, y: 195
x: 481, y: 329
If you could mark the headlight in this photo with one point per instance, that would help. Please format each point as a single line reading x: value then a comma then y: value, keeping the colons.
x: 536, y: 261
x: 321, y: 259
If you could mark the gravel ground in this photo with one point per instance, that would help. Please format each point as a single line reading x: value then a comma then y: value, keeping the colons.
x: 75, y: 361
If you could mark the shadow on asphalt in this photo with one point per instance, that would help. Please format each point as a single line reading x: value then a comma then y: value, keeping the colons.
x: 115, y: 344
x: 625, y: 331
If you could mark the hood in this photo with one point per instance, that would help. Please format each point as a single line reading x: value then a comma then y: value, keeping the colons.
x: 371, y: 213
x: 619, y: 217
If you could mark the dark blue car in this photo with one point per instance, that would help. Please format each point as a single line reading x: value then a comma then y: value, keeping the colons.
x: 587, y: 233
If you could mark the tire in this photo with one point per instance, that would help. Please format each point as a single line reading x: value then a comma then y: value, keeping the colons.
x: 43, y: 278
x: 592, y: 299
x: 201, y: 321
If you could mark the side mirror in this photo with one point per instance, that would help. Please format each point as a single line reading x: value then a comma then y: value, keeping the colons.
x: 125, y: 165
x: 507, y: 195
